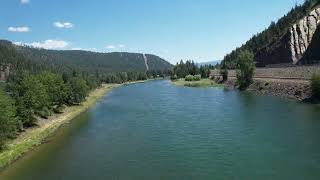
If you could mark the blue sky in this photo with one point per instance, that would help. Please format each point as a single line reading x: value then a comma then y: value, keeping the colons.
x: 201, y: 30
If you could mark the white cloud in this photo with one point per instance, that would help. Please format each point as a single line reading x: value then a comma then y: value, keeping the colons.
x: 18, y: 43
x: 113, y: 47
x: 76, y: 48
x: 92, y: 49
x: 24, y: 1
x: 48, y: 44
x: 19, y: 29
x: 110, y: 47
x: 85, y: 49
x: 65, y: 25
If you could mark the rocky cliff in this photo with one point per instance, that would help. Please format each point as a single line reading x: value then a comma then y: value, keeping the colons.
x: 298, y: 46
x: 4, y: 71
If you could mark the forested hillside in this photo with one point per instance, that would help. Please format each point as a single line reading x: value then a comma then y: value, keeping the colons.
x: 91, y: 61
x: 36, y: 83
x: 268, y: 40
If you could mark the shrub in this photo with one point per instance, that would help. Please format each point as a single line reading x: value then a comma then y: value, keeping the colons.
x: 174, y: 77
x: 245, y: 66
x: 197, y: 77
x: 189, y: 78
x: 315, y: 85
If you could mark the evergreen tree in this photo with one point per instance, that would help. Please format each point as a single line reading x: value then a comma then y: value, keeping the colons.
x: 55, y: 87
x: 8, y: 122
x: 245, y: 66
x: 78, y: 90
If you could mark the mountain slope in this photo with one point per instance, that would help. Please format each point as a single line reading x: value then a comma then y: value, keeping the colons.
x: 86, y: 60
x: 291, y: 48
x: 11, y: 60
x: 273, y: 45
x: 90, y: 61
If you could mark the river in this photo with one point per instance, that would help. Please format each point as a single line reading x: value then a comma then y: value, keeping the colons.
x: 156, y: 130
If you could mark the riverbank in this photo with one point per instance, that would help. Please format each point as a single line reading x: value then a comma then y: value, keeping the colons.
x: 33, y: 137
x: 201, y: 83
x: 288, y: 82
x: 299, y: 90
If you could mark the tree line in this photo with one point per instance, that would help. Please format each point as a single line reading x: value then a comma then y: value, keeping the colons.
x: 183, y: 69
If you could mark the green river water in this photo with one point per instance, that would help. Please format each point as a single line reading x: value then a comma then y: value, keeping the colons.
x: 156, y: 130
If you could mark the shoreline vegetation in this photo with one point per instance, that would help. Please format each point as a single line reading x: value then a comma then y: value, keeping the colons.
x: 305, y: 87
x: 199, y: 84
x: 36, y: 136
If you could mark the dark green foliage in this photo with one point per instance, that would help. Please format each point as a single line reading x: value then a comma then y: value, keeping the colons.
x: 156, y: 63
x: 125, y: 77
x: 31, y: 98
x: 246, y: 67
x: 271, y: 36
x: 142, y: 76
x: 78, y: 90
x: 55, y: 87
x: 42, y: 82
x: 183, y: 69
x: 11, y: 58
x: 8, y: 122
x: 224, y: 74
x: 315, y: 84
x: 205, y: 71
x: 93, y: 61
x: 174, y: 77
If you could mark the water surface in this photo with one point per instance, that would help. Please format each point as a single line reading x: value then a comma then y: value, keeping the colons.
x: 157, y: 130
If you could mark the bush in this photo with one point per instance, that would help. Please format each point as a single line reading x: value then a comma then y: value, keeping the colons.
x: 174, y: 77
x: 246, y: 67
x: 197, y: 77
x: 315, y: 85
x: 189, y: 78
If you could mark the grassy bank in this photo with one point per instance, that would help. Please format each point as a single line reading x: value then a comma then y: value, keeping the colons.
x: 201, y: 83
x: 37, y: 135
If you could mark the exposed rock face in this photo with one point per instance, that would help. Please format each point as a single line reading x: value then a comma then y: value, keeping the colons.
x: 4, y: 72
x: 293, y: 45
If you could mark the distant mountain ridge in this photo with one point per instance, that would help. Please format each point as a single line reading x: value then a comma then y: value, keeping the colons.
x: 90, y: 61
x: 215, y: 62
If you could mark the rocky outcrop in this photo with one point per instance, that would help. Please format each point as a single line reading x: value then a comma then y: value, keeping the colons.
x: 294, y: 44
x: 4, y: 72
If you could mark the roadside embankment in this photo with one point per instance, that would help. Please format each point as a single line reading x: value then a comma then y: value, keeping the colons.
x: 289, y: 82
x: 297, y: 72
x: 35, y: 136
x: 293, y: 89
